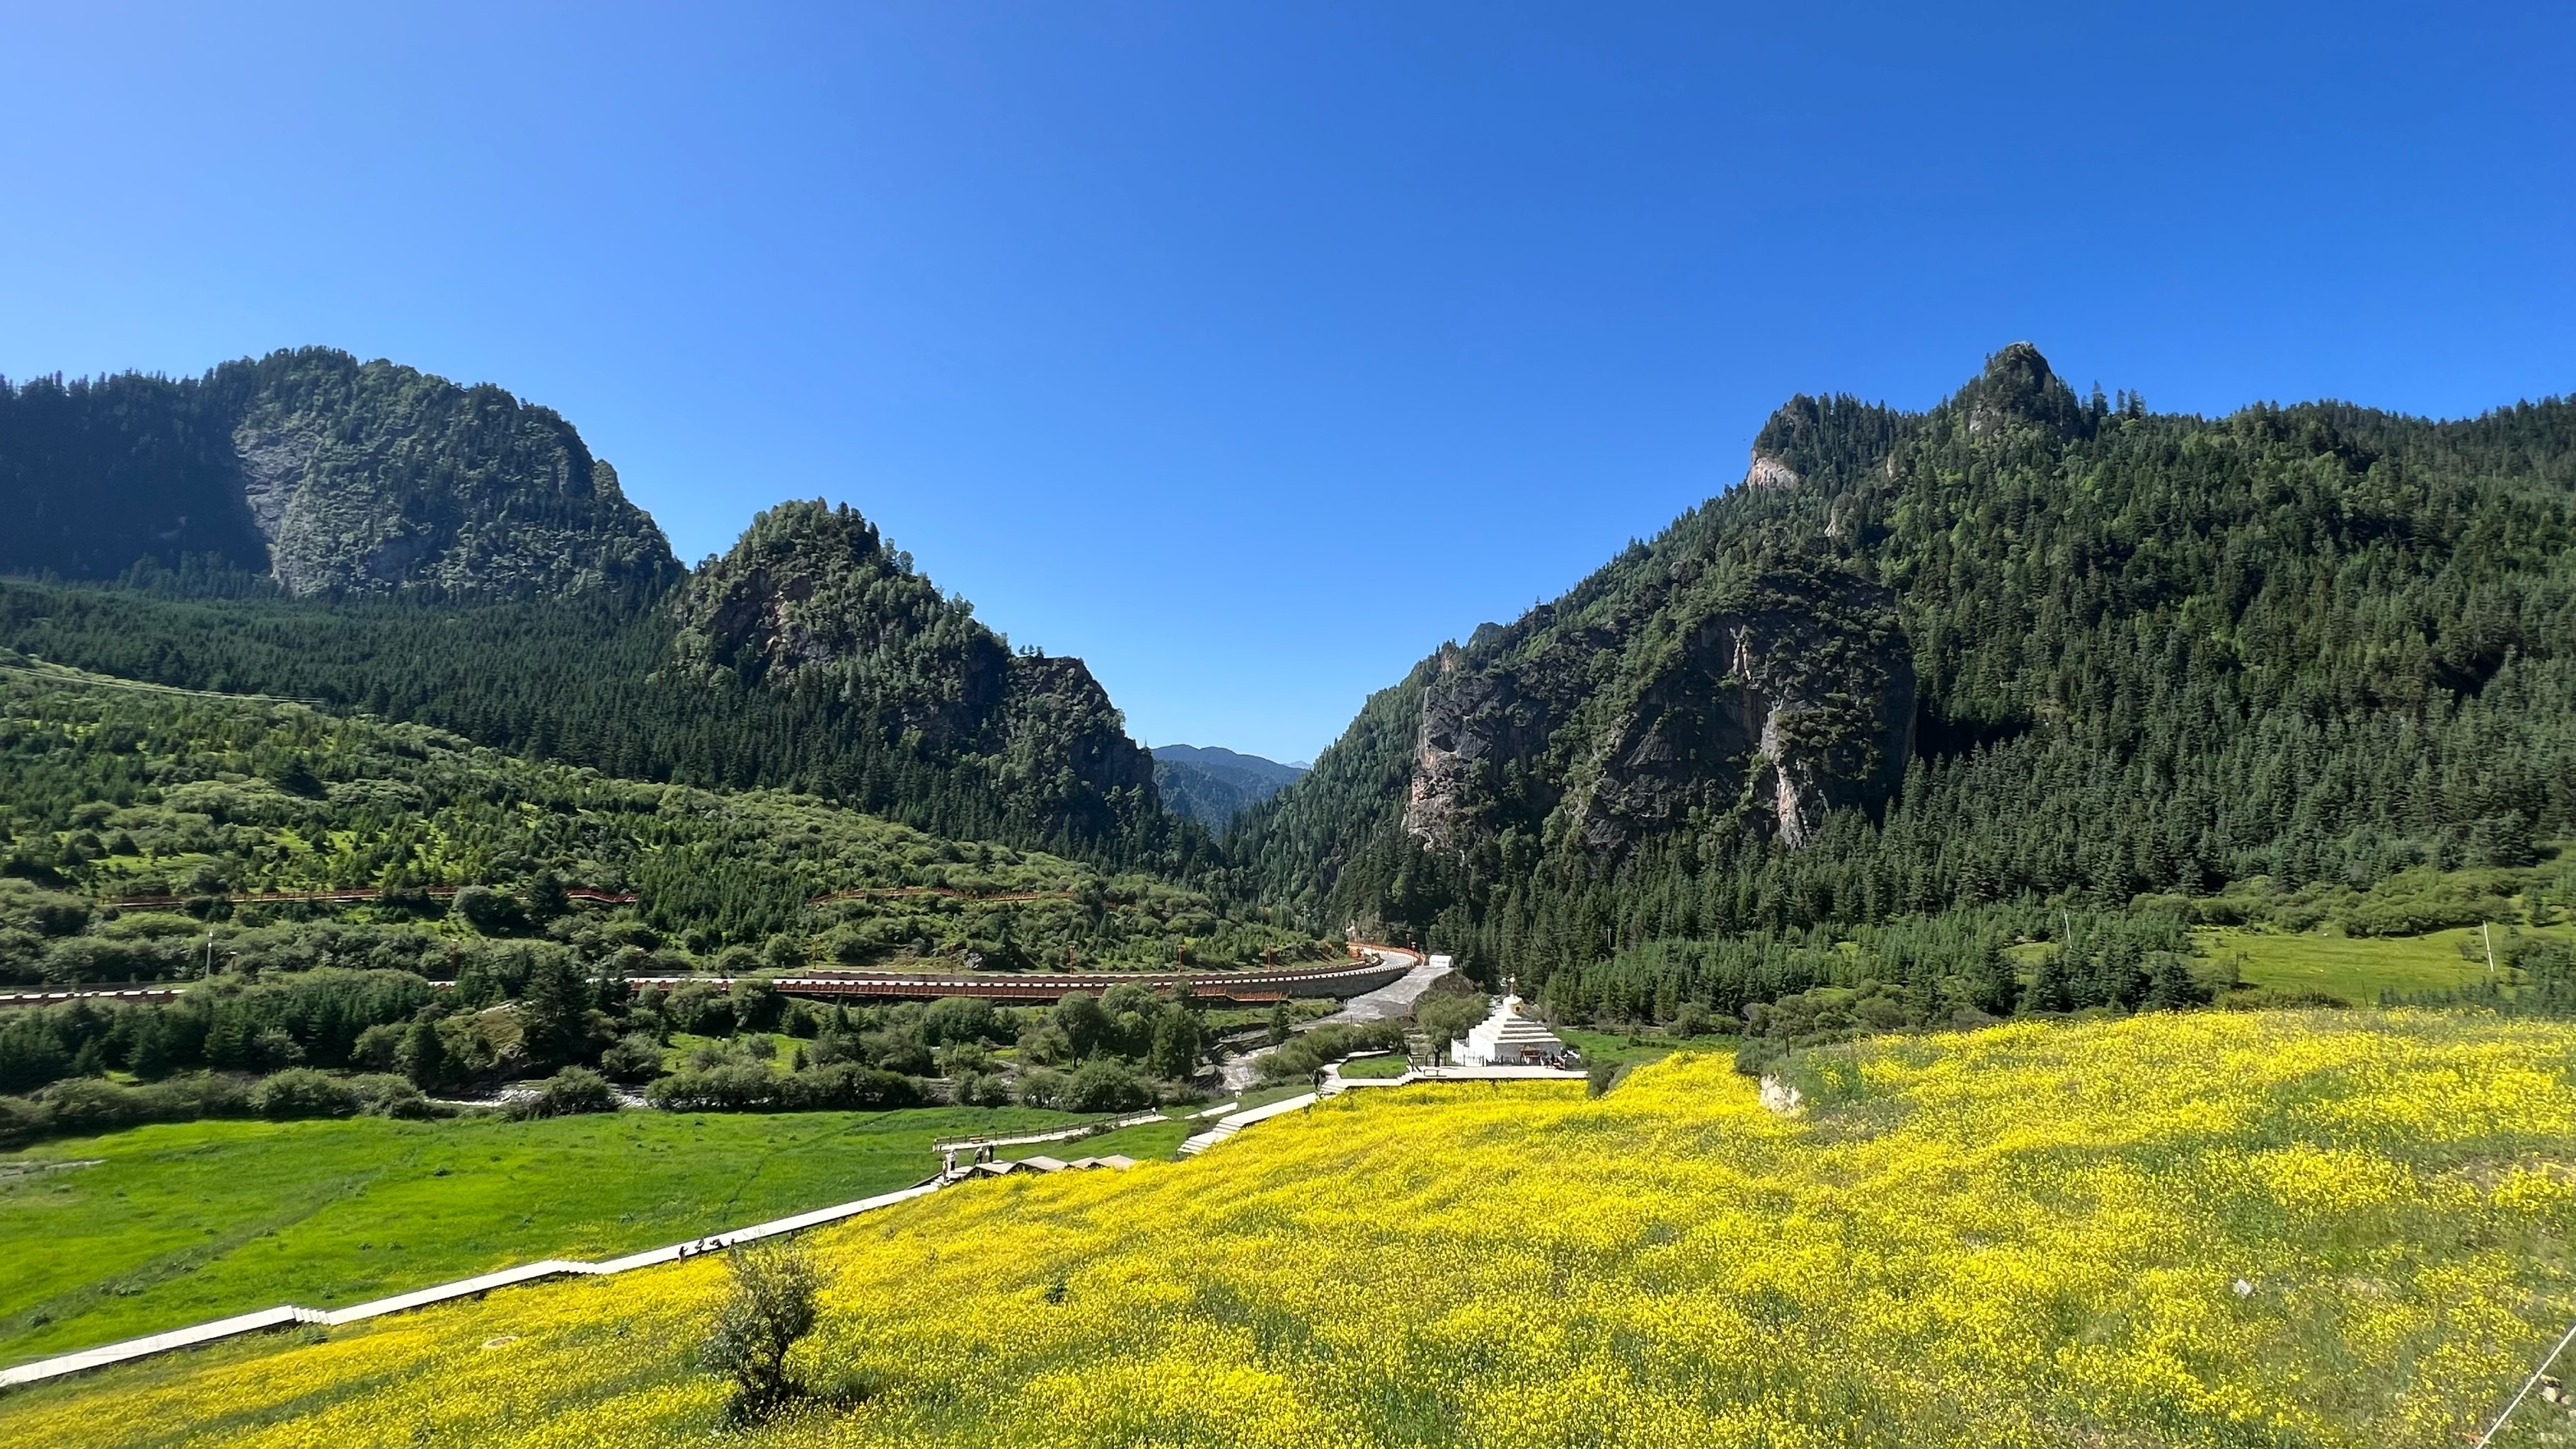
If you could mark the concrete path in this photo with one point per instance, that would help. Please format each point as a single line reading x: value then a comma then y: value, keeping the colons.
x: 1335, y: 1084
x: 1391, y: 1000
x: 284, y: 1314
x: 1066, y: 1134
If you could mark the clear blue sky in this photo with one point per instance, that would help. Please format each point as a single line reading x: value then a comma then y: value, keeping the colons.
x: 1250, y: 350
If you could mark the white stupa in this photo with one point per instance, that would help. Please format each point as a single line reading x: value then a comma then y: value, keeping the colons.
x: 1507, y: 1039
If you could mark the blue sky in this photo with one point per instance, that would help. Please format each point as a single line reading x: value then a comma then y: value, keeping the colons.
x: 1249, y: 351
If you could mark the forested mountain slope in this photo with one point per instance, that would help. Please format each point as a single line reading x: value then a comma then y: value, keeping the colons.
x: 372, y: 538
x: 320, y: 472
x: 1213, y: 785
x: 2135, y: 652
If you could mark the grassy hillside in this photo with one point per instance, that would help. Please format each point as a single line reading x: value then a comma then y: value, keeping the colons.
x: 2203, y: 1229
x: 171, y: 1225
x: 111, y: 791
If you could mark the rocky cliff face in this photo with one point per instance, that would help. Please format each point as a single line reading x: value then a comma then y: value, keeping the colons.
x: 328, y: 474
x: 1771, y: 696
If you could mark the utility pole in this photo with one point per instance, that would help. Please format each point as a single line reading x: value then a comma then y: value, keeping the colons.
x: 2487, y: 929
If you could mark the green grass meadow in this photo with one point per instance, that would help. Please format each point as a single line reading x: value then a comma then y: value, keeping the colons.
x: 177, y: 1224
x: 2356, y: 968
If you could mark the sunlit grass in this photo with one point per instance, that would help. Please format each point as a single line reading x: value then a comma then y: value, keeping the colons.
x: 179, y: 1224
x: 2237, y: 1229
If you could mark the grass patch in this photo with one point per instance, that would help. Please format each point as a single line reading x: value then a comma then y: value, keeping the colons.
x: 177, y: 1224
x: 1375, y: 1068
x: 2356, y: 968
x: 1637, y: 1047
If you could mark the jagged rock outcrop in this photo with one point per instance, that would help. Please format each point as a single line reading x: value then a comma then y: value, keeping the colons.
x: 1773, y: 696
x: 324, y: 472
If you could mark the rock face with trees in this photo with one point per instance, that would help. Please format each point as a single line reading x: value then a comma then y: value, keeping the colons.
x: 1768, y: 690
x: 319, y: 474
x: 1931, y: 682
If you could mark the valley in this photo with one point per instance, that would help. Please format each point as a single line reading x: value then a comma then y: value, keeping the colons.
x: 2066, y: 917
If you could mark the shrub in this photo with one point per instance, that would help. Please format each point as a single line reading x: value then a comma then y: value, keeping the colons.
x: 23, y: 1120
x: 87, y: 1104
x: 847, y: 1087
x: 569, y: 1092
x: 489, y: 911
x: 1040, y: 1087
x: 1601, y: 1076
x: 1101, y: 1085
x: 775, y: 1291
x: 382, y: 1094
x: 954, y: 1020
x: 1302, y: 1058
x: 983, y: 1089
x: 716, y: 1089
x: 637, y: 1057
x: 378, y: 1048
x: 303, y: 1092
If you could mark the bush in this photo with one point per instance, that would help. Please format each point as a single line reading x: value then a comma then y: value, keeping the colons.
x: 383, y: 1094
x: 1601, y: 1076
x: 23, y: 1120
x: 378, y: 1048
x: 637, y: 1057
x: 87, y: 1104
x: 716, y: 1089
x: 567, y: 1093
x: 954, y: 1020
x: 1040, y: 1087
x: 1101, y: 1085
x: 1299, y: 1060
x: 303, y: 1092
x: 848, y: 1087
x: 1756, y: 1056
x: 774, y: 1304
x: 489, y: 911
x: 983, y: 1089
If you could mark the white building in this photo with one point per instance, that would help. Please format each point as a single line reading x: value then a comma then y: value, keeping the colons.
x: 1508, y: 1039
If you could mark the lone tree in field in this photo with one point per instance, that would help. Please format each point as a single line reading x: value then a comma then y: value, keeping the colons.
x: 772, y: 1306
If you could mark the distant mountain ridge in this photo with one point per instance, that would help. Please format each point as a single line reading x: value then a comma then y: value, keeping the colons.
x: 321, y: 472
x: 1212, y: 785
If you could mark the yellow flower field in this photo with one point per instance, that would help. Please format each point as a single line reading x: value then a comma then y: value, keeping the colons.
x: 2211, y: 1229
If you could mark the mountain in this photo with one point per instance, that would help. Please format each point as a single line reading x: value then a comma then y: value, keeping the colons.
x: 1213, y: 785
x: 321, y: 473
x: 810, y: 600
x: 1975, y: 666
x: 368, y: 537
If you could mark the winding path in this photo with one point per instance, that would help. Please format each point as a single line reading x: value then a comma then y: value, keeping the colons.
x: 1393, y: 999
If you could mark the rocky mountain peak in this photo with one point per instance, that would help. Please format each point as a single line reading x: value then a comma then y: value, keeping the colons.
x: 2019, y: 389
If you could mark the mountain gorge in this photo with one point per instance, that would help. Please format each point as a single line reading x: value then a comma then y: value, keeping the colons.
x: 2024, y: 647
x: 1212, y: 785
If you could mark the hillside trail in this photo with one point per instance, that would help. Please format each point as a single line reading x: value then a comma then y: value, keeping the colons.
x: 1393, y: 999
